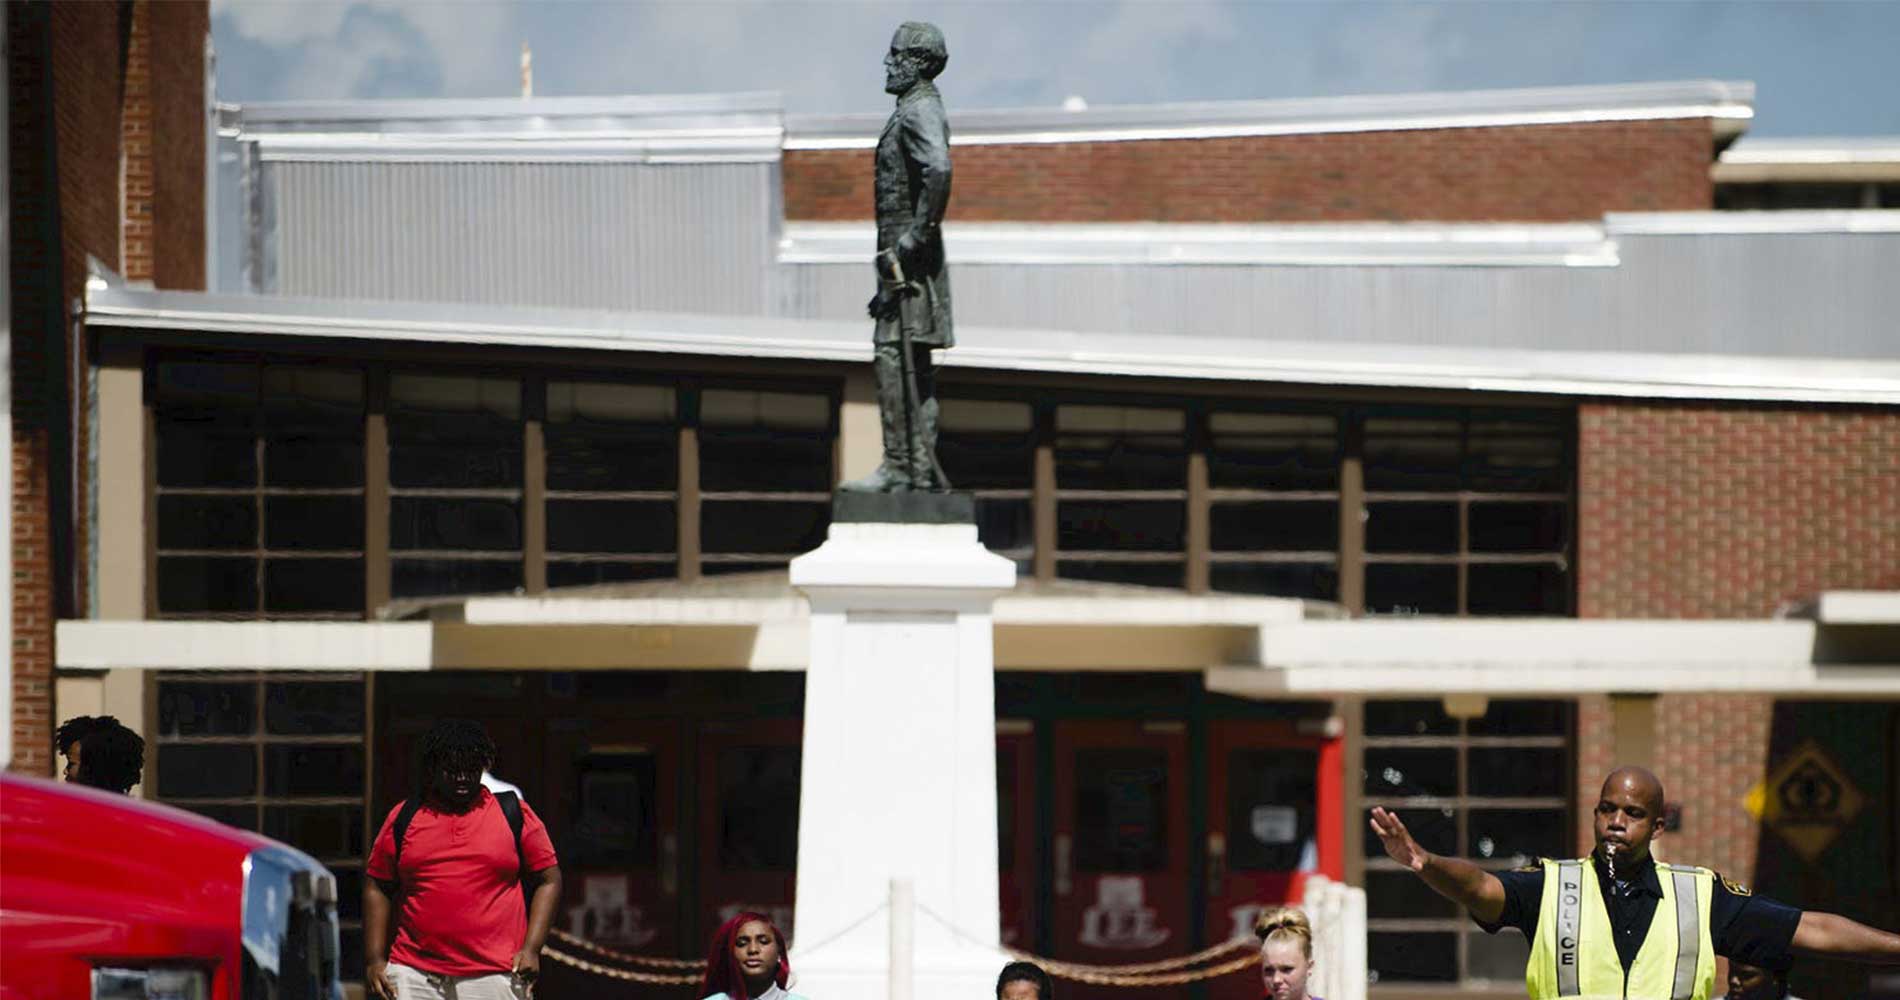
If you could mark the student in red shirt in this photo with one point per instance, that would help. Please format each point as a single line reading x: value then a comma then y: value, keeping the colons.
x: 450, y: 866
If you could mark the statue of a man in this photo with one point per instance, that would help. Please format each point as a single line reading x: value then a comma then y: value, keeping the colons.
x: 912, y: 305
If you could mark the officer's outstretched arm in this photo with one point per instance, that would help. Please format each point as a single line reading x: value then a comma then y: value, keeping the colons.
x: 1833, y: 936
x: 1462, y: 882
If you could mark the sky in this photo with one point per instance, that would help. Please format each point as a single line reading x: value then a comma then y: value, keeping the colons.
x: 1820, y: 68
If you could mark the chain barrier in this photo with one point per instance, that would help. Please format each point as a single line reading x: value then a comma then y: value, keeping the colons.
x: 625, y: 975
x: 628, y: 958
x: 1167, y: 972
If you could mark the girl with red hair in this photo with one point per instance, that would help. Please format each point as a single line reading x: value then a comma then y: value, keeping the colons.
x: 747, y: 961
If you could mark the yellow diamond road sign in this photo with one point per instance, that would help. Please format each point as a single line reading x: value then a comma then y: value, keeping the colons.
x: 1806, y: 800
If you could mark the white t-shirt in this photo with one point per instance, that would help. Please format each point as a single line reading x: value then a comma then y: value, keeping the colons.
x: 494, y: 784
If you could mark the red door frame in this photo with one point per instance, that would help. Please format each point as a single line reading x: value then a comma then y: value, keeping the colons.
x: 1020, y: 881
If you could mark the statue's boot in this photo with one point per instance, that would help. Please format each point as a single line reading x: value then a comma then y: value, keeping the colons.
x: 886, y: 478
x: 923, y: 450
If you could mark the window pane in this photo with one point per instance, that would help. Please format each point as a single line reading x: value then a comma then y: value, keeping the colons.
x: 1538, y: 589
x: 1405, y: 896
x: 1004, y: 524
x: 334, y: 523
x: 1409, y: 718
x: 1517, y: 527
x: 1272, y: 796
x: 562, y: 574
x: 191, y: 454
x: 612, y: 526
x: 1314, y: 581
x: 207, y: 390
x: 763, y: 526
x: 313, y: 421
x: 1517, y: 771
x: 1513, y: 717
x: 1436, y: 830
x: 1405, y: 589
x: 1517, y: 452
x: 758, y: 808
x: 190, y: 708
x: 1411, y: 957
x: 987, y: 444
x: 454, y: 523
x: 1496, y: 956
x: 192, y: 584
x: 313, y: 770
x: 309, y: 585
x: 1121, y: 810
x: 314, y: 708
x: 1412, y: 527
x: 611, y: 437
x: 211, y: 771
x: 1402, y: 773
x: 1120, y: 525
x: 349, y: 892
x: 1413, y: 453
x: 1283, y: 526
x: 243, y: 817
x: 764, y: 441
x: 192, y: 522
x: 319, y: 831
x: 1513, y: 834
x: 615, y: 824
x: 454, y: 432
x: 1115, y: 447
x: 433, y: 577
x: 1280, y: 451
x: 1142, y: 574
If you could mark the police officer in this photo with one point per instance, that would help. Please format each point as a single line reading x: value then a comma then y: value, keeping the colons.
x: 1620, y: 923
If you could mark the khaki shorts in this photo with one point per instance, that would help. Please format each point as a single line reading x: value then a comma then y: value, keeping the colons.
x: 414, y: 984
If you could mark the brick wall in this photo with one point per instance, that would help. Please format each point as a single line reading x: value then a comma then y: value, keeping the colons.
x: 1544, y: 173
x: 1710, y: 511
x: 80, y: 126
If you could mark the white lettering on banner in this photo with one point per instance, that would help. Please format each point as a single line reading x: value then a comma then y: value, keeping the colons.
x: 607, y: 914
x: 1119, y: 921
x: 1275, y: 825
x: 780, y: 914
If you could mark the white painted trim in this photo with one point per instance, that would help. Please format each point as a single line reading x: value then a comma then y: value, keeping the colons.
x: 1583, y: 373
x: 707, y: 145
x: 1172, y: 244
x: 1726, y: 103
x: 1505, y: 680
x: 184, y: 645
x: 1010, y: 609
x: 1752, y: 223
x: 1813, y: 151
x: 1858, y: 607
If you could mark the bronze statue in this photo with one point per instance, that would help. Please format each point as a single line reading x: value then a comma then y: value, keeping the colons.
x: 912, y: 305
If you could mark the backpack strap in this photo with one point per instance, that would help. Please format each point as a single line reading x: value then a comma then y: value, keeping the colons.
x: 510, y: 804
x: 401, y: 828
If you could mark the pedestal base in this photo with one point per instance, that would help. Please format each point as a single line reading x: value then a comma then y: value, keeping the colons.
x: 899, y: 765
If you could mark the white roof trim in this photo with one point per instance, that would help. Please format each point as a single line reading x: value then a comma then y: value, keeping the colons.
x: 1009, y: 609
x: 1858, y: 607
x: 1584, y: 373
x: 181, y: 645
x: 1723, y: 101
x: 1544, y: 656
x: 1818, y: 150
x: 1327, y: 244
x: 1745, y: 223
x: 734, y: 145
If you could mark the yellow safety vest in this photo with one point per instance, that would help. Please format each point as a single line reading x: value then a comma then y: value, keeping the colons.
x: 1573, y: 953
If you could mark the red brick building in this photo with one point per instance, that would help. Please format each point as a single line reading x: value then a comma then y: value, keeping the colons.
x: 1432, y: 451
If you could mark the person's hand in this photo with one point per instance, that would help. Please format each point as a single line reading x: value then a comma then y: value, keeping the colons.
x: 376, y: 980
x: 527, y: 965
x: 1399, y: 845
x: 884, y: 305
x: 907, y: 246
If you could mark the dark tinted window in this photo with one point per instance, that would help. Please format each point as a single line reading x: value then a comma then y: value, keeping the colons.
x: 1121, y: 810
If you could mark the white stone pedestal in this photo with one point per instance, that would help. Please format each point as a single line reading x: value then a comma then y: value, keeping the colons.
x: 899, y: 759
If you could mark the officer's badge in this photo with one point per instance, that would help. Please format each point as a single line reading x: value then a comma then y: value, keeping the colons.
x: 1734, y: 888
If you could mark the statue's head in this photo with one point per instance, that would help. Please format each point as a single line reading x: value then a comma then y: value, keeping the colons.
x: 917, y: 53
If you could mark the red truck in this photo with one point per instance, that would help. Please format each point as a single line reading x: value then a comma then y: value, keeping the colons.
x: 109, y: 897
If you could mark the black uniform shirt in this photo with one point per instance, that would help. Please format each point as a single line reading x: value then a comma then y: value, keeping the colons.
x: 1744, y: 927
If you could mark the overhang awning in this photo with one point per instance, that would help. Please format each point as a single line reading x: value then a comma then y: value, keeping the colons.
x: 1253, y: 647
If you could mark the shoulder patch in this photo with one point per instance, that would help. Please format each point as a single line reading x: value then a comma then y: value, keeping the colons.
x: 1734, y: 888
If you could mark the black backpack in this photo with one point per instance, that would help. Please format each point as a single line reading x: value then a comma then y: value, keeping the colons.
x: 509, y: 802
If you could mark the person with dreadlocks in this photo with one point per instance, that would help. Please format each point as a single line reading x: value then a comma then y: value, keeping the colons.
x: 747, y: 961
x: 101, y: 752
x: 450, y: 864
